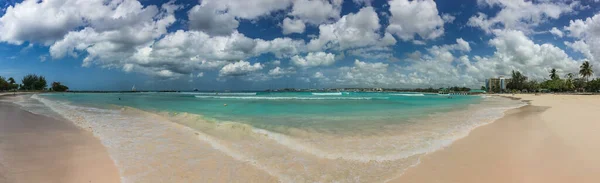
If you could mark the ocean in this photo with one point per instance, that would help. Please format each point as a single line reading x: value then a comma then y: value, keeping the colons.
x: 292, y: 136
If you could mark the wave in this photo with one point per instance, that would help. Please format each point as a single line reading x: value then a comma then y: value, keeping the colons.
x: 409, y: 94
x: 219, y: 94
x: 128, y: 133
x: 327, y: 94
x: 270, y: 149
x: 293, y: 98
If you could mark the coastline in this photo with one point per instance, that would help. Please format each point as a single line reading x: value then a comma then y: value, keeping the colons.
x: 548, y: 140
x: 37, y: 148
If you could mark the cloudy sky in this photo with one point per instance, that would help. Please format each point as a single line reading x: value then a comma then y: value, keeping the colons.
x: 262, y: 44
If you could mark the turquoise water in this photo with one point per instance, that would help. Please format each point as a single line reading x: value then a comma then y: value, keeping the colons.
x: 292, y: 136
x: 293, y: 109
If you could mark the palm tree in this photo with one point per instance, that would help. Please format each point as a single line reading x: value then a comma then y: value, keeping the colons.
x: 569, y: 82
x: 585, y: 70
x: 11, y: 80
x: 553, y: 74
x: 570, y: 76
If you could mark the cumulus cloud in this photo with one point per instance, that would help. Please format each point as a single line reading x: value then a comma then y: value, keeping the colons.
x: 448, y: 65
x: 316, y: 11
x: 586, y: 34
x: 248, y: 9
x: 47, y: 21
x: 318, y: 75
x: 278, y: 72
x: 448, y: 18
x: 207, y: 18
x: 417, y: 17
x: 351, y: 31
x: 293, y: 26
x: 556, y: 32
x: 239, y: 68
x: 365, y: 74
x: 515, y: 51
x: 313, y: 59
x: 512, y: 16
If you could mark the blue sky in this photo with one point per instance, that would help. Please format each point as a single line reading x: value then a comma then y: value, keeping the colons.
x: 262, y: 44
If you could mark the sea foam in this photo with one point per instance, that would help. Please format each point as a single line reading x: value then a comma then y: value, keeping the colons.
x: 409, y: 94
x: 291, y: 98
x: 328, y: 94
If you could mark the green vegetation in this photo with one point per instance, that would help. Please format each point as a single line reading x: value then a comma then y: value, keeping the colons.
x: 518, y: 81
x: 30, y: 82
x: 33, y: 82
x: 585, y: 70
x: 570, y: 83
x: 56, y: 86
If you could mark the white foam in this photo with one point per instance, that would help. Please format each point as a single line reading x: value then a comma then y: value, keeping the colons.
x: 292, y: 98
x: 327, y: 94
x: 219, y: 94
x: 137, y: 142
x: 409, y: 94
x: 115, y: 130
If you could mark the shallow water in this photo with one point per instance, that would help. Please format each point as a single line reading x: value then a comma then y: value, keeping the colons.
x: 295, y: 137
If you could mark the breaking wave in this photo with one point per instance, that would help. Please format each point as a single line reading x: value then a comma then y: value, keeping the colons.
x: 293, y: 98
x: 219, y: 94
x: 409, y: 94
x: 328, y: 94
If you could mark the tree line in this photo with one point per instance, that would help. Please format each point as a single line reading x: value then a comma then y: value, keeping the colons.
x: 30, y: 82
x: 569, y: 83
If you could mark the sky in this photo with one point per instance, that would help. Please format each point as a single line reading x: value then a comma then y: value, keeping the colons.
x: 270, y: 44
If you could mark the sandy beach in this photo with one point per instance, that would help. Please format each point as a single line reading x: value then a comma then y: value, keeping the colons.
x: 35, y: 148
x: 552, y: 140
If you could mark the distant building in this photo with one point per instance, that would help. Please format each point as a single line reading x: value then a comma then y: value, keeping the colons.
x: 496, y: 84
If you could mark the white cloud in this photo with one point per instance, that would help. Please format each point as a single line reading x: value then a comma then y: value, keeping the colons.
x: 318, y: 75
x: 448, y: 18
x: 249, y: 9
x: 556, y: 32
x: 47, y: 21
x: 128, y: 67
x: 207, y: 18
x: 586, y: 34
x: 276, y: 62
x: 365, y: 74
x: 417, y: 17
x: 43, y: 58
x: 239, y: 68
x: 278, y: 72
x: 515, y: 51
x: 513, y: 15
x: 363, y: 2
x: 351, y: 31
x: 316, y: 11
x: 313, y: 59
x: 199, y: 75
x: 463, y: 45
x: 166, y: 73
x: 293, y: 26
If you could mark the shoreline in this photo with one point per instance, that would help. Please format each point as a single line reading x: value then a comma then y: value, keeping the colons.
x: 535, y: 143
x: 38, y: 148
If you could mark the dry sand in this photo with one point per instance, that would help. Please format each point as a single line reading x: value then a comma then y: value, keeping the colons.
x: 35, y: 148
x: 555, y: 139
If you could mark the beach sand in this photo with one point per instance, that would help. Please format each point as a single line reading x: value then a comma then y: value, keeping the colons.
x: 555, y: 139
x: 35, y: 148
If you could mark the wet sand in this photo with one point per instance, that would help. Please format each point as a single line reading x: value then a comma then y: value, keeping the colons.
x: 555, y: 139
x: 35, y: 148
